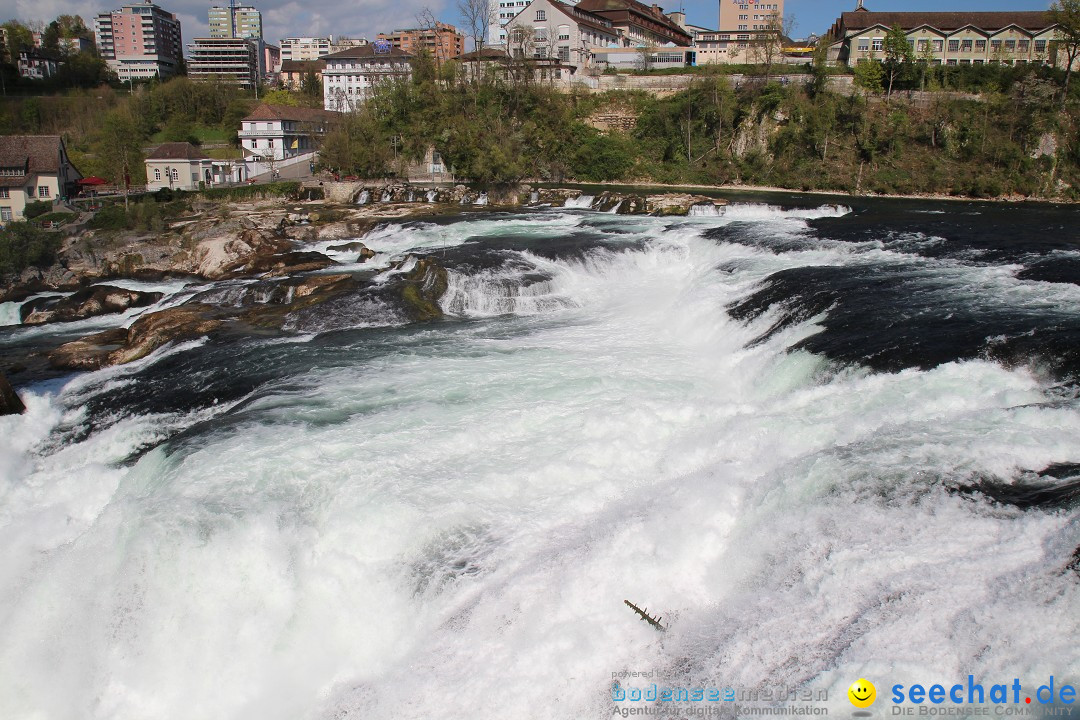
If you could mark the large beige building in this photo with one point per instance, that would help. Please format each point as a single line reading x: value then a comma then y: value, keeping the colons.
x: 736, y: 15
x: 946, y: 38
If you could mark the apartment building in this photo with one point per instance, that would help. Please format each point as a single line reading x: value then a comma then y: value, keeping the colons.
x: 33, y: 168
x: 282, y: 132
x: 235, y: 21
x: 303, y: 49
x: 946, y: 38
x: 232, y: 60
x: 139, y: 41
x: 746, y: 16
x: 351, y: 75
x: 443, y: 41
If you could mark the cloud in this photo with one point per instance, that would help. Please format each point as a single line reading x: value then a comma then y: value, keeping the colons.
x: 281, y: 18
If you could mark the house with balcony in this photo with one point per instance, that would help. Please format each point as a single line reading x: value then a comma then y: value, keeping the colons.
x: 946, y: 38
x: 280, y: 133
x: 352, y: 75
x: 33, y: 168
x: 563, y: 37
x: 37, y: 65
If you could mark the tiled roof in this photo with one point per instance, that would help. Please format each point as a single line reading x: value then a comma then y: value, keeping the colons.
x: 302, y: 66
x: 991, y: 21
x: 177, y: 151
x: 633, y: 6
x: 266, y: 112
x: 39, y: 153
x: 585, y: 18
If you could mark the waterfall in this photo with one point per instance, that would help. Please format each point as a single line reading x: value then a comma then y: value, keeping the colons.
x: 431, y: 195
x: 386, y: 196
x: 364, y: 198
x: 582, y: 202
x: 482, y: 200
x: 704, y: 210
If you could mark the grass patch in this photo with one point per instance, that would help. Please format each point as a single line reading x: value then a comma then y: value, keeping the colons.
x: 55, y: 217
x: 251, y: 192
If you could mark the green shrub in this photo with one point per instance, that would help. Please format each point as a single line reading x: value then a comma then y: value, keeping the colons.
x: 23, y: 244
x: 287, y: 189
x: 110, y: 217
x: 36, y: 209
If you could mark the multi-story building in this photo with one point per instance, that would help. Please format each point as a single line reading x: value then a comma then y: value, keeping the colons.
x: 281, y: 132
x: 564, y: 33
x: 640, y: 25
x: 33, y: 168
x: 294, y: 73
x: 312, y: 48
x: 946, y: 38
x: 139, y: 41
x: 444, y: 42
x: 37, y: 65
x: 232, y: 60
x: 743, y: 15
x: 304, y: 49
x: 235, y: 21
x: 351, y: 75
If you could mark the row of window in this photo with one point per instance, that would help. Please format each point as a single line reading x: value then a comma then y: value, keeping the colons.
x: 175, y: 175
x: 877, y: 44
x: 42, y: 192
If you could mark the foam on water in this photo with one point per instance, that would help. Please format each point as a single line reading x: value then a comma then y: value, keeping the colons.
x: 582, y: 202
x: 452, y: 525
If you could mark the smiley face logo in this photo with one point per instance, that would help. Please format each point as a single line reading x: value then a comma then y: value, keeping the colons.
x: 862, y: 693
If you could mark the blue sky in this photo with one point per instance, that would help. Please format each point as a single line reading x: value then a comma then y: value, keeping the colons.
x: 365, y: 18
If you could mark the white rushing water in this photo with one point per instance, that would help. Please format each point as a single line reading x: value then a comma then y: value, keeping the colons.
x: 450, y: 528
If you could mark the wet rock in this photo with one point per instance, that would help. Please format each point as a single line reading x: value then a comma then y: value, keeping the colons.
x: 88, y: 303
x: 88, y: 353
x: 366, y: 253
x: 677, y: 203
x: 10, y: 404
x: 154, y: 330
x: 288, y: 263
x: 423, y: 287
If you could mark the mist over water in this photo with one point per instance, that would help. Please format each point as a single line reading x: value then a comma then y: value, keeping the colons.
x: 823, y: 442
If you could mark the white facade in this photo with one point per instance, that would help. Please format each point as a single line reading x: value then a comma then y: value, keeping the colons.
x: 550, y: 29
x: 503, y: 11
x: 304, y: 49
x: 351, y: 75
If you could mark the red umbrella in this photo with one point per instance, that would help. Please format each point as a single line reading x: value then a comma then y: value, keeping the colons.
x: 93, y: 180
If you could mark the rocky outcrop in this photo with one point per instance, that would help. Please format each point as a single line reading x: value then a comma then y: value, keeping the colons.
x: 88, y: 353
x: 10, y: 404
x: 155, y: 330
x: 423, y: 287
x: 365, y: 252
x: 679, y: 204
x: 91, y: 302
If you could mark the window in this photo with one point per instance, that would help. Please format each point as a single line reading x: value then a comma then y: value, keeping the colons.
x: 954, y: 45
x: 5, y: 214
x: 564, y: 53
x: 1025, y: 45
x: 923, y: 45
x: 43, y: 191
x: 980, y: 46
x: 876, y: 44
x: 1040, y: 46
x: 157, y: 174
x: 864, y: 45
x: 938, y: 45
x: 5, y: 193
x: 1010, y: 46
x: 176, y: 175
x: 965, y: 46
x: 995, y: 45
x: 541, y: 15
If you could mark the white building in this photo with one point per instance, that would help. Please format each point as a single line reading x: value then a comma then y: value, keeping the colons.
x: 351, y: 75
x: 553, y: 29
x: 304, y: 49
x: 182, y: 166
x: 281, y: 132
x: 231, y: 60
x: 33, y: 168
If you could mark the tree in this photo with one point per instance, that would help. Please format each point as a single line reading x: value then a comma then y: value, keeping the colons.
x: 478, y: 15
x: 18, y: 37
x: 767, y: 46
x: 119, y: 147
x: 898, y: 56
x: 1066, y: 14
x: 645, y: 57
x: 868, y: 75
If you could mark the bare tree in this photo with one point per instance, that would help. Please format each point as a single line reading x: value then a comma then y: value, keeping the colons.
x: 1066, y: 13
x: 645, y: 57
x: 429, y: 27
x: 478, y: 16
x: 767, y: 45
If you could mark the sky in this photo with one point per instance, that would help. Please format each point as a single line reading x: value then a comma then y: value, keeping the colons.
x: 366, y: 18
